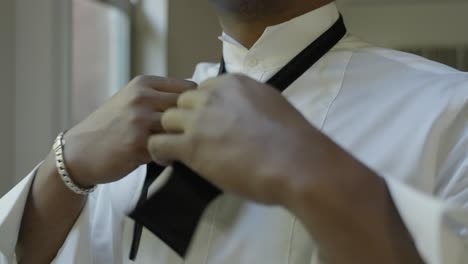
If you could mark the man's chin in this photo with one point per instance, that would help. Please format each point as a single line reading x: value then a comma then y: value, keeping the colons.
x: 244, y: 7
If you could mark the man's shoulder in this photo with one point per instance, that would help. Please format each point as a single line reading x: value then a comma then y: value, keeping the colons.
x: 400, y: 86
x: 364, y: 53
x: 378, y: 67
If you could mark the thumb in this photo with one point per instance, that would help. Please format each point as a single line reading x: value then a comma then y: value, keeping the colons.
x: 166, y: 148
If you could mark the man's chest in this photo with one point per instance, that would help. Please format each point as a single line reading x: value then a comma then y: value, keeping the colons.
x: 235, y: 231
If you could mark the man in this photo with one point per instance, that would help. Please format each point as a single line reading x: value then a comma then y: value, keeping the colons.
x: 365, y: 162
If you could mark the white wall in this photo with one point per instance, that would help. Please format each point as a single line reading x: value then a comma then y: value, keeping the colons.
x: 170, y: 37
x: 193, y: 36
x: 7, y: 81
x: 408, y: 23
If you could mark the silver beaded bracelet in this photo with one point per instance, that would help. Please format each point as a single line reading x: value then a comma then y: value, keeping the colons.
x: 58, y: 146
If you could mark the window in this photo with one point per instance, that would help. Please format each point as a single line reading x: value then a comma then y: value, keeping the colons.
x: 100, y: 53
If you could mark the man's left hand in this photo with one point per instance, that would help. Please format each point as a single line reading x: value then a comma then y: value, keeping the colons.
x: 246, y: 138
x: 239, y: 134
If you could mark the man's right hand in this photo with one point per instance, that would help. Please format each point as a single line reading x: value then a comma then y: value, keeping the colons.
x: 112, y: 141
x: 105, y: 147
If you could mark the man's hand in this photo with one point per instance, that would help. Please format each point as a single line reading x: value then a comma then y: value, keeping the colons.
x: 244, y: 137
x: 112, y: 141
x: 240, y: 134
x: 105, y: 147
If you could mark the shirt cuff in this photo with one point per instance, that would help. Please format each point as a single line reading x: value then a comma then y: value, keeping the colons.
x: 77, y: 247
x: 439, y: 229
x: 11, y: 213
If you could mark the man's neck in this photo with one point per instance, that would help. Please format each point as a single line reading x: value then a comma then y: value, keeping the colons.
x: 248, y: 29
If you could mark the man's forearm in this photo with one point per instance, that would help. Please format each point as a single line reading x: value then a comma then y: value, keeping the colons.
x: 348, y: 209
x: 51, y: 211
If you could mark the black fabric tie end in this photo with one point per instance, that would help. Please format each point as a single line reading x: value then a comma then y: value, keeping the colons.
x: 153, y: 170
x: 173, y: 213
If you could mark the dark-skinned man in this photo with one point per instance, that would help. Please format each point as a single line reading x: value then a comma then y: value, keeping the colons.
x: 361, y: 159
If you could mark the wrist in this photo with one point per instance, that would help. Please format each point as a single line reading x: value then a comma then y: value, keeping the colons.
x: 310, y: 162
x: 74, y: 165
x: 325, y: 178
x: 340, y: 201
x: 48, y: 177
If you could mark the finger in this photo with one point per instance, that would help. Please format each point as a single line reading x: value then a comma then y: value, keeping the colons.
x: 152, y: 99
x: 210, y: 84
x: 192, y: 99
x: 177, y: 120
x: 156, y: 124
x: 165, y: 148
x: 161, y: 101
x: 169, y: 85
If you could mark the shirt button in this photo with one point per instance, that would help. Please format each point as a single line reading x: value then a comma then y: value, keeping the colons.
x: 251, y: 62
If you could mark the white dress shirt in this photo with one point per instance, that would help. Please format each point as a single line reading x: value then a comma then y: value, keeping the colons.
x: 403, y: 116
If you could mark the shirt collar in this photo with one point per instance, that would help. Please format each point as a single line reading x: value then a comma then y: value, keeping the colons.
x: 279, y: 43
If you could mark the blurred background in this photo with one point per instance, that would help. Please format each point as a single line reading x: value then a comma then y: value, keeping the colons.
x: 60, y: 59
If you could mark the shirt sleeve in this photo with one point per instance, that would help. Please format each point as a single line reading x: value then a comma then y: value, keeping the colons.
x: 439, y: 229
x: 438, y: 222
x: 76, y: 246
x: 11, y: 212
x: 96, y: 236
